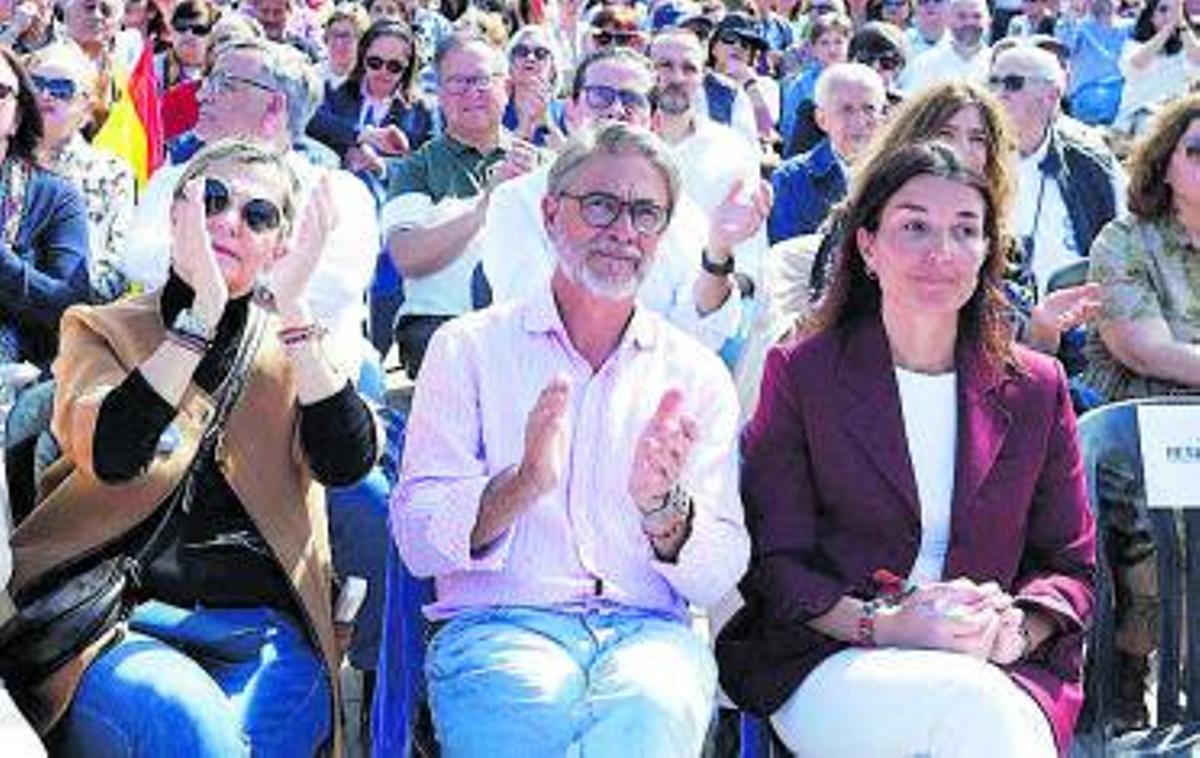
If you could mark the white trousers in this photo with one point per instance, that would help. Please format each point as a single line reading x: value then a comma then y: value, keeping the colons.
x: 888, y: 702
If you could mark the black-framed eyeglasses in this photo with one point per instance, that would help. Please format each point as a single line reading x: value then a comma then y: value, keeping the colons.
x: 260, y: 215
x: 376, y: 63
x: 886, y: 60
x: 55, y: 87
x: 600, y: 97
x: 1011, y: 82
x: 600, y: 210
x: 521, y: 51
x: 191, y: 27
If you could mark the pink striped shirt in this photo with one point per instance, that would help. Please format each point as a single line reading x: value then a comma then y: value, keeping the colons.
x: 581, y: 544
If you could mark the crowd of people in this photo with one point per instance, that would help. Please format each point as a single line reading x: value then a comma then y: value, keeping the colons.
x: 772, y: 314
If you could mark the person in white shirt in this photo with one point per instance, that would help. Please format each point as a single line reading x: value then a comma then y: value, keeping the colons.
x: 615, y: 85
x: 715, y: 163
x: 963, y: 53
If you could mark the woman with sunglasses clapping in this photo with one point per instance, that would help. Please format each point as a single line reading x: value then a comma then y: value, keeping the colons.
x: 377, y: 112
x: 534, y: 113
x: 66, y: 83
x: 230, y: 648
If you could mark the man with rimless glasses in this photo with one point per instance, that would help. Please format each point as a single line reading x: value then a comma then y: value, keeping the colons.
x: 570, y: 481
x: 615, y: 85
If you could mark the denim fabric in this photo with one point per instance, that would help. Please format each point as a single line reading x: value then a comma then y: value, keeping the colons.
x: 204, y: 682
x: 539, y: 682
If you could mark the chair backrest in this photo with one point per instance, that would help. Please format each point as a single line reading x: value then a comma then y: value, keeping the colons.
x: 1110, y: 441
x: 1071, y: 275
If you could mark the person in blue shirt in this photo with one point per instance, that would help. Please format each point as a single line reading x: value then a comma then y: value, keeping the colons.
x: 850, y: 100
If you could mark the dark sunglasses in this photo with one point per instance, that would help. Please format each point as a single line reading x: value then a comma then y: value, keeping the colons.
x: 57, y: 88
x: 191, y: 27
x: 604, y: 38
x: 260, y: 215
x: 375, y: 63
x: 887, y: 61
x: 521, y: 51
x: 7, y: 91
x: 1011, y: 82
x: 600, y: 97
x: 601, y: 210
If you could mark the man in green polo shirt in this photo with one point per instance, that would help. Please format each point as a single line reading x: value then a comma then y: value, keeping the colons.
x: 438, y: 195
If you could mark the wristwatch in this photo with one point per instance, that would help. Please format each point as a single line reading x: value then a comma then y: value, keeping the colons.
x: 189, y: 323
x: 675, y: 507
x: 725, y: 268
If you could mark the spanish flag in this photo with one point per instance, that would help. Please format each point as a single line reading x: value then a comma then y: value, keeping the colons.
x: 133, y: 129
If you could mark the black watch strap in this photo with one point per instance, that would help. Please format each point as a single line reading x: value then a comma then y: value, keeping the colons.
x: 716, y: 269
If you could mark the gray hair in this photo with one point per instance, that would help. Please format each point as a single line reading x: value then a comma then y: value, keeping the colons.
x: 1036, y: 61
x: 245, y: 154
x: 840, y: 74
x: 461, y: 39
x: 614, y: 139
x: 547, y: 37
x: 297, y: 80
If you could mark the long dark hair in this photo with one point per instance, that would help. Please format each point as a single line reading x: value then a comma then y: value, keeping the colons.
x: 1143, y: 28
x: 23, y: 144
x: 377, y: 30
x: 853, y: 294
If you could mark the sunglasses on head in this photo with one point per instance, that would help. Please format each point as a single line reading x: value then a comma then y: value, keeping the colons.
x: 193, y: 28
x: 1011, y: 82
x: 600, y: 97
x: 260, y: 215
x: 604, y: 38
x: 55, y: 87
x: 375, y: 63
x: 521, y: 51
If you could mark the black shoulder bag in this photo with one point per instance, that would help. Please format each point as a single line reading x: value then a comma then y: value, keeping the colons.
x: 58, y: 617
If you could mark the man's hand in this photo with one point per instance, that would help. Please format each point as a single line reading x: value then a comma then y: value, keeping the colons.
x: 738, y: 218
x: 661, y: 452
x: 520, y: 159
x: 546, y: 441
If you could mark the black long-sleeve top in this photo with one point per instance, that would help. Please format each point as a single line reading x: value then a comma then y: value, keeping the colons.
x: 216, y: 555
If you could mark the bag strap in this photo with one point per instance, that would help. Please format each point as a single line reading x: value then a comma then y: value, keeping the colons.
x: 227, y: 397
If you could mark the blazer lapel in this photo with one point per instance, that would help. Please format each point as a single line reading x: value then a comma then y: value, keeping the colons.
x: 983, y: 426
x: 870, y: 409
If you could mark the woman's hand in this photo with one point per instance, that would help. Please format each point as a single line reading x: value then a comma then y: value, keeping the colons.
x: 957, y: 616
x: 1011, y: 643
x: 290, y: 275
x: 532, y: 103
x: 1061, y: 311
x: 385, y: 140
x: 192, y: 254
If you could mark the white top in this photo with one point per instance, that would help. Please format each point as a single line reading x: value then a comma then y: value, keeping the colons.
x: 930, y: 407
x: 942, y: 63
x: 337, y: 290
x: 1167, y: 76
x: 1054, y: 237
x: 518, y: 258
x: 447, y: 291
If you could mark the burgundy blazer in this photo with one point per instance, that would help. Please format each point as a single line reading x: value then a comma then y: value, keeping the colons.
x: 830, y: 497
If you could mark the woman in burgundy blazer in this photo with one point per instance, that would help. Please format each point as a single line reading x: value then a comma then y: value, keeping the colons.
x: 831, y: 493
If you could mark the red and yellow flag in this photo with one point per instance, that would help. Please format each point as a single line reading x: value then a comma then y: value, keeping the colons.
x: 133, y: 129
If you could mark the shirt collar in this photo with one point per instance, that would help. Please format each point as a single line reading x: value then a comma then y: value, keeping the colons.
x: 540, y: 315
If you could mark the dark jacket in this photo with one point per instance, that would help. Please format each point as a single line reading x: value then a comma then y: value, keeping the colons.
x: 336, y: 122
x: 806, y: 187
x: 830, y: 498
x: 47, y: 268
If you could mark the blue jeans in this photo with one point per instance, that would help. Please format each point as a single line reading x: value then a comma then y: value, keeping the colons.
x: 205, y: 682
x: 538, y: 682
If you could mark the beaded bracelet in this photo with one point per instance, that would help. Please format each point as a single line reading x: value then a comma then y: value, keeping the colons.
x: 296, y: 335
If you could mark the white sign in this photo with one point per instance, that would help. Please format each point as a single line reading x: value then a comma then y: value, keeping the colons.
x: 1170, y: 439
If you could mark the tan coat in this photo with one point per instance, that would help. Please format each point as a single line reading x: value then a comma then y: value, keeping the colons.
x: 260, y: 457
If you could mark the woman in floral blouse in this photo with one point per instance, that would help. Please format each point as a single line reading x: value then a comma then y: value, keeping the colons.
x: 1148, y: 341
x: 65, y: 81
